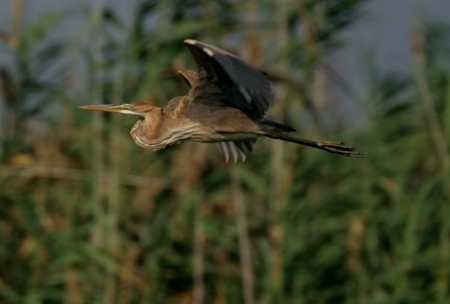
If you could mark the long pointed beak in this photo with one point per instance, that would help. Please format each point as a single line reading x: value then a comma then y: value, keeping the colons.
x: 104, y: 108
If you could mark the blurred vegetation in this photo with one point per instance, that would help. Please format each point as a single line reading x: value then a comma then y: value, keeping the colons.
x: 86, y: 216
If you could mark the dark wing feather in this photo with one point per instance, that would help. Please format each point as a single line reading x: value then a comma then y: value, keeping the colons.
x: 234, y: 149
x: 244, y: 85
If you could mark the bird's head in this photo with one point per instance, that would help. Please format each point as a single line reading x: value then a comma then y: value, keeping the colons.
x: 136, y: 108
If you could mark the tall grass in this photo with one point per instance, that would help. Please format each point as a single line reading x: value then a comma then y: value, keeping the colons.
x: 86, y: 216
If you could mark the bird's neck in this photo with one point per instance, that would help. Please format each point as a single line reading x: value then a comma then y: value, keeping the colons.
x: 145, y: 131
x: 152, y: 120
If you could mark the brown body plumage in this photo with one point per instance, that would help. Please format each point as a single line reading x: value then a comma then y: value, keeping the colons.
x: 226, y: 105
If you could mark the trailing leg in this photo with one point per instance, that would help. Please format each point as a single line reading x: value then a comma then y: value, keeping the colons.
x: 337, y: 147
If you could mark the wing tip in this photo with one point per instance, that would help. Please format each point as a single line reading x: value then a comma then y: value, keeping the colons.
x: 208, y: 51
x: 200, y: 45
x: 190, y: 41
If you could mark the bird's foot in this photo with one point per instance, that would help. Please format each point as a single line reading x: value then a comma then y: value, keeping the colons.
x: 339, y: 147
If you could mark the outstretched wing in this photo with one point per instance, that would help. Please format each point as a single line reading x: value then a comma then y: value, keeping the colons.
x: 227, y: 150
x: 245, y: 86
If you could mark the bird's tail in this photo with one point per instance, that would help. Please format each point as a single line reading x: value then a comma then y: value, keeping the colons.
x: 337, y: 147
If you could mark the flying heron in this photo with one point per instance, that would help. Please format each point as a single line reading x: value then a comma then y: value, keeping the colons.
x: 226, y: 105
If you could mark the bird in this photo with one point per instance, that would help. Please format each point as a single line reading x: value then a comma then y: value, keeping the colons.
x: 226, y: 104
